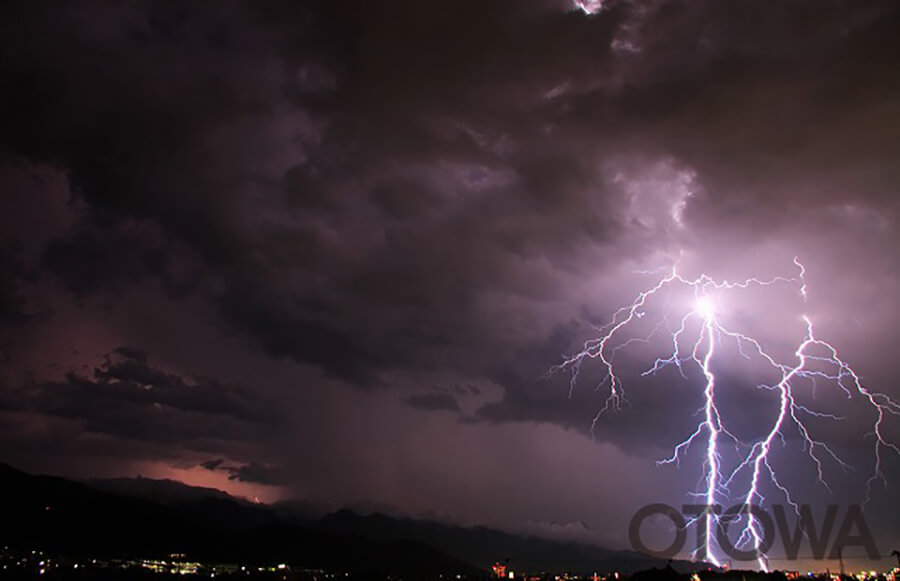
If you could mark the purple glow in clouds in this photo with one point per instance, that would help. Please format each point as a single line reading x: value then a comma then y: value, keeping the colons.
x: 699, y: 334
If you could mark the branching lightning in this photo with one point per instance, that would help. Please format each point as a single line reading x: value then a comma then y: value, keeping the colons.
x: 695, y: 342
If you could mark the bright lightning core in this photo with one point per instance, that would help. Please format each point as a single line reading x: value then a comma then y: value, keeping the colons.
x: 705, y: 308
x: 696, y: 336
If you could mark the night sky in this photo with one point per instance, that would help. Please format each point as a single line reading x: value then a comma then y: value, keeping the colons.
x: 329, y: 250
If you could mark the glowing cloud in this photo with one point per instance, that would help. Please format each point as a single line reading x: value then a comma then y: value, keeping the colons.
x: 696, y: 340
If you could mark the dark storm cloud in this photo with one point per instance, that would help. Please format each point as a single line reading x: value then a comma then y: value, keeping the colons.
x: 252, y: 472
x: 379, y: 188
x: 433, y: 401
x: 772, y: 125
x: 14, y: 274
x: 287, y: 328
x: 213, y: 464
x: 128, y: 397
x: 228, y: 157
x: 16, y: 308
x: 91, y: 260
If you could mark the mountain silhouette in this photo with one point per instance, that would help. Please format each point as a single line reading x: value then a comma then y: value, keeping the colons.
x: 72, y: 518
x: 482, y: 546
x: 147, y: 518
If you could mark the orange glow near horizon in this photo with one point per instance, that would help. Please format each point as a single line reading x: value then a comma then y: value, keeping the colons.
x: 199, y: 476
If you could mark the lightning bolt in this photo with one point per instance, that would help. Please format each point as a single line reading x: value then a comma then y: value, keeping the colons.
x: 694, y: 342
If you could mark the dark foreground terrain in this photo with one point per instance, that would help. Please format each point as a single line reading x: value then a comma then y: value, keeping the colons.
x: 53, y: 528
x: 127, y: 525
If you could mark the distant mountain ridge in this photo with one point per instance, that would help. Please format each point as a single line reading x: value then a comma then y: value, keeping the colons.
x: 478, y: 545
x: 210, y: 504
x: 484, y: 546
x: 72, y: 518
x: 163, y: 489
x: 125, y: 515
